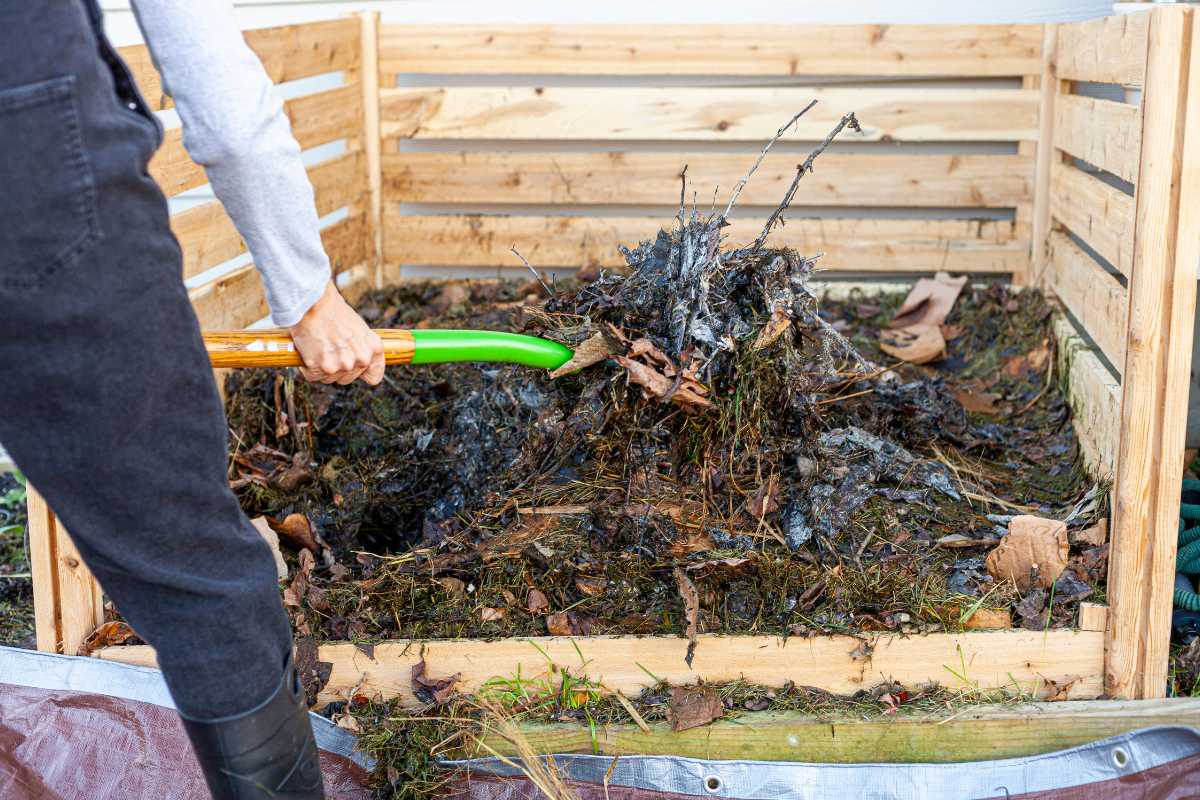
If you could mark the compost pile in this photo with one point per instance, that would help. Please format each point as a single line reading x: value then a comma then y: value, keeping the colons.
x: 728, y: 452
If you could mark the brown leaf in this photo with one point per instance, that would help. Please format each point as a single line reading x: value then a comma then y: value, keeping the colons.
x: 1034, y: 361
x: 566, y: 624
x: 1031, y: 541
x: 1094, y: 536
x: 916, y: 344
x: 339, y: 572
x: 977, y: 402
x: 593, y: 350
x: 307, y: 562
x: 776, y: 326
x: 693, y: 707
x: 296, y: 474
x: 489, y: 614
x: 109, y: 634
x: 1056, y: 691
x: 988, y: 618
x: 297, y: 531
x: 692, y: 542
x: 929, y: 302
x: 766, y: 500
x: 591, y: 587
x: 263, y: 526
x: 689, y: 395
x: 432, y: 690
x: 691, y: 606
x: 536, y: 601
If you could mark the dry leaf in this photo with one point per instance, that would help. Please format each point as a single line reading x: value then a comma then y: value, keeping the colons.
x: 776, y: 326
x: 987, y: 618
x: 272, y: 539
x: 592, y: 351
x: 1056, y: 691
x: 536, y: 601
x: 453, y: 587
x: 591, y: 587
x: 977, y: 402
x: 109, y: 634
x: 296, y: 530
x: 766, y: 499
x: 432, y: 690
x: 692, y: 542
x: 917, y: 344
x: 689, y: 395
x: 1034, y: 361
x: 1030, y: 541
x: 559, y: 624
x: 693, y: 706
x: 929, y: 302
x: 691, y: 606
x: 489, y: 614
x: 349, y: 723
x: 1094, y: 536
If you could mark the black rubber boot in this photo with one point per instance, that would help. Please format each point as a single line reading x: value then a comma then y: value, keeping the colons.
x: 268, y: 751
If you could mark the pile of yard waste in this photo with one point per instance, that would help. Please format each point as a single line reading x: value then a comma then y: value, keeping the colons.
x: 732, y: 449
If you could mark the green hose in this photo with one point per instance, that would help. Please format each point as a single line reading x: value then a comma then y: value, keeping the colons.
x: 1187, y: 558
x: 444, y: 347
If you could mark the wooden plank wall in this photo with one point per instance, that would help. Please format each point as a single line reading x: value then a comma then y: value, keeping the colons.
x: 497, y: 136
x: 206, y: 234
x: 1119, y: 252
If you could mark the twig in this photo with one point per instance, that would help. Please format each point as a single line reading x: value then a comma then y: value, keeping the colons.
x: 737, y: 190
x: 848, y: 120
x: 515, y: 252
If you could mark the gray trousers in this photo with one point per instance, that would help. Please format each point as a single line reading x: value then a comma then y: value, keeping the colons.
x: 107, y: 401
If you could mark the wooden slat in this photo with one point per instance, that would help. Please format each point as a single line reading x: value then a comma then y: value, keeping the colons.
x: 855, y: 245
x: 1094, y: 211
x: 1019, y: 660
x: 999, y: 181
x: 81, y: 604
x: 960, y: 50
x: 1091, y: 294
x: 1095, y: 399
x: 237, y: 299
x: 1093, y: 616
x: 1103, y: 133
x: 1162, y: 301
x: 724, y: 114
x: 1050, y: 87
x: 288, y: 53
x: 208, y: 236
x: 316, y: 119
x: 368, y: 78
x: 956, y: 734
x: 43, y: 563
x: 1107, y: 50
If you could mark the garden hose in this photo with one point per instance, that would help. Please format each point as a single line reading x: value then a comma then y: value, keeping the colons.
x: 1187, y: 558
x: 274, y: 348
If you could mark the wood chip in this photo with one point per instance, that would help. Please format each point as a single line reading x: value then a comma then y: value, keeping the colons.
x: 916, y: 344
x: 693, y: 707
x: 1031, y: 541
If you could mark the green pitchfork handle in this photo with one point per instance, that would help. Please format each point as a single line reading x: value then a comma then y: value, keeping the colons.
x: 274, y: 348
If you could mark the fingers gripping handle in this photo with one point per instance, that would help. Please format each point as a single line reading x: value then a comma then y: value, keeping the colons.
x: 274, y: 348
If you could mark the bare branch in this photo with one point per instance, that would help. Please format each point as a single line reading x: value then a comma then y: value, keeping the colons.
x: 737, y: 190
x: 549, y: 291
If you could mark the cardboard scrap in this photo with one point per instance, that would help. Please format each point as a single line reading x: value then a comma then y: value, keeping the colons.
x: 916, y: 344
x: 1031, y: 542
x: 929, y: 302
x: 693, y: 707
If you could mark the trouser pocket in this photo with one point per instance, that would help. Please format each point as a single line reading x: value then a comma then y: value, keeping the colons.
x: 48, y: 204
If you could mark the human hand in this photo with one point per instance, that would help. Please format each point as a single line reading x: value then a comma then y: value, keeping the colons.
x: 335, y: 343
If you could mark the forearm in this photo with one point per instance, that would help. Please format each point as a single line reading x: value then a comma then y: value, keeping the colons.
x: 234, y: 126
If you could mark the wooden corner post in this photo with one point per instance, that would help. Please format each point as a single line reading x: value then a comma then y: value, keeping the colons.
x: 1050, y: 87
x: 67, y: 602
x: 369, y: 79
x: 1162, y: 303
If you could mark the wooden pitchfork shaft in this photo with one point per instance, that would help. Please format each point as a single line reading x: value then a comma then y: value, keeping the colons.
x: 274, y: 348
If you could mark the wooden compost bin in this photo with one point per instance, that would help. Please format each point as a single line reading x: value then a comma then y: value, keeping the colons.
x: 980, y: 156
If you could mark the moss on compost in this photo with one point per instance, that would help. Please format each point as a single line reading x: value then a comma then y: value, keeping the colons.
x: 419, y: 486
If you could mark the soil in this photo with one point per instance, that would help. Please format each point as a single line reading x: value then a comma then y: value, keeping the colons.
x: 486, y: 501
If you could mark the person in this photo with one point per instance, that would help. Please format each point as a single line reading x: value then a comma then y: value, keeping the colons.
x: 107, y: 401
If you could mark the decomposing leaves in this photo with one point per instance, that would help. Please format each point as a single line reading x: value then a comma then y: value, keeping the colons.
x: 489, y: 614
x: 564, y: 623
x: 1057, y: 691
x: 314, y: 673
x: 115, y: 632
x: 297, y: 531
x: 593, y: 350
x: 687, y: 392
x: 436, y: 691
x: 766, y: 499
x: 977, y: 402
x: 693, y: 707
x: 536, y: 601
x: 1032, y: 542
x: 591, y: 586
x: 779, y: 322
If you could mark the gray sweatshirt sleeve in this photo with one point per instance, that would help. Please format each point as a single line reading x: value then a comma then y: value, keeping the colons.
x: 234, y: 126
